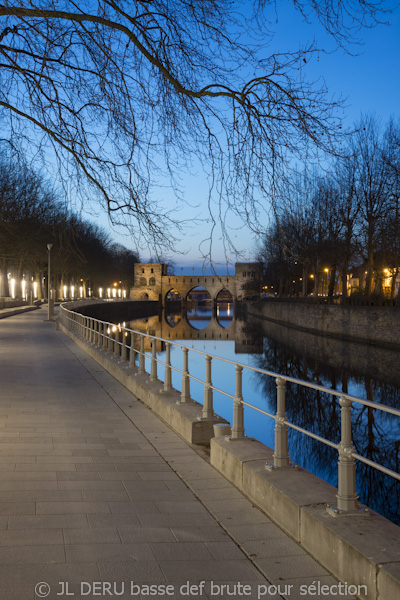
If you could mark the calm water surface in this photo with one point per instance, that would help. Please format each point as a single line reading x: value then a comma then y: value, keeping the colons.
x: 356, y: 369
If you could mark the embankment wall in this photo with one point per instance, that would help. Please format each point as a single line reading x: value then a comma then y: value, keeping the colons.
x: 376, y: 325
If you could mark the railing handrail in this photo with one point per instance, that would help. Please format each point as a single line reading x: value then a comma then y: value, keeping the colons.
x: 309, y: 384
x: 96, y: 331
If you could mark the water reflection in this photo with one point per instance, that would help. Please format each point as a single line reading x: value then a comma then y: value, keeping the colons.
x: 199, y: 317
x: 375, y: 433
x: 303, y: 356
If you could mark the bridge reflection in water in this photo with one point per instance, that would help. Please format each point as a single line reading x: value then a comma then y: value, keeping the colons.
x: 303, y: 356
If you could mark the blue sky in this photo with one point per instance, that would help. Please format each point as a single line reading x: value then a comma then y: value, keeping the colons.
x: 369, y: 79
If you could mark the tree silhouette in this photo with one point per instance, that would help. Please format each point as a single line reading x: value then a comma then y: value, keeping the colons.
x: 120, y: 94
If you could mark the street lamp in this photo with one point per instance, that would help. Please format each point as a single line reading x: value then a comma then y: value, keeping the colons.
x: 50, y: 301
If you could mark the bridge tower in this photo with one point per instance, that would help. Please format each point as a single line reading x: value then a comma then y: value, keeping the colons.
x: 147, y: 281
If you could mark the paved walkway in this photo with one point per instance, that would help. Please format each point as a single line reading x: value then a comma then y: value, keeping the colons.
x: 100, y: 499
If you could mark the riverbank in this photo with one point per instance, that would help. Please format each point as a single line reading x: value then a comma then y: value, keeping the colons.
x: 375, y: 325
x: 362, y: 550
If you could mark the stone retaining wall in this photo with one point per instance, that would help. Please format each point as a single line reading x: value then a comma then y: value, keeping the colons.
x: 378, y: 325
x: 114, y: 311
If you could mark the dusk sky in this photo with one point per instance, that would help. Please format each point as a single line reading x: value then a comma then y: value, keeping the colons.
x: 369, y: 79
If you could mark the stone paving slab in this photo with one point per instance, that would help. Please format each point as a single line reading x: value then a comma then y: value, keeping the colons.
x: 96, y: 491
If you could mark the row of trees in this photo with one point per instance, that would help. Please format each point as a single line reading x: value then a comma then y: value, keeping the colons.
x: 125, y: 97
x: 330, y: 222
x: 32, y: 216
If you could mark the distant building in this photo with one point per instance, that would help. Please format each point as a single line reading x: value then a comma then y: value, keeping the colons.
x: 151, y: 282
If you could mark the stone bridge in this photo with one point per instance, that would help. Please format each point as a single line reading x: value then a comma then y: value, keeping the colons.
x: 151, y: 282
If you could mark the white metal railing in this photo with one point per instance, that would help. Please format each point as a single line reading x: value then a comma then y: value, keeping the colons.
x: 109, y: 337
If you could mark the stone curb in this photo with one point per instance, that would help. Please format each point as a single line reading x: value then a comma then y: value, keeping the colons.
x: 363, y: 551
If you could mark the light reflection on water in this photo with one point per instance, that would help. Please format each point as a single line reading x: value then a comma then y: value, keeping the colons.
x: 375, y: 434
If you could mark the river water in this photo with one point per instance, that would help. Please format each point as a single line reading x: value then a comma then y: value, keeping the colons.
x: 363, y: 371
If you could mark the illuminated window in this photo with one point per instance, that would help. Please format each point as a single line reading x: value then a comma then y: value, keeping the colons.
x: 143, y: 281
x: 152, y: 281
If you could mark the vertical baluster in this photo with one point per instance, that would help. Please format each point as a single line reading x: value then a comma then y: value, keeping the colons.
x: 104, y: 334
x: 208, y: 411
x: 238, y: 408
x: 281, y: 453
x: 90, y: 330
x: 347, y: 494
x: 123, y: 346
x: 116, y: 342
x: 167, y: 376
x: 110, y: 338
x: 142, y: 369
x: 132, y: 351
x: 153, y: 369
x: 185, y: 395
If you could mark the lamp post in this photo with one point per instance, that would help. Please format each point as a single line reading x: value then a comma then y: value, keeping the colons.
x: 50, y: 301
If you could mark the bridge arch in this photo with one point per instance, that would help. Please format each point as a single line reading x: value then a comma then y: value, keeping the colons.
x: 172, y: 295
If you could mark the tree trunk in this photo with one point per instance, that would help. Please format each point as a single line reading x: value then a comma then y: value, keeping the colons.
x: 370, y: 267
x: 393, y: 284
x: 305, y: 280
x: 332, y: 281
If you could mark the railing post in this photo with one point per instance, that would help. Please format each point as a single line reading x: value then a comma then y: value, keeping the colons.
x: 97, y: 336
x: 132, y: 351
x: 105, y: 338
x: 91, y: 330
x: 123, y: 345
x: 167, y: 375
x: 238, y: 408
x: 185, y: 395
x: 142, y: 369
x: 208, y: 410
x: 116, y: 342
x: 110, y: 339
x: 153, y: 369
x: 281, y: 453
x: 347, y: 495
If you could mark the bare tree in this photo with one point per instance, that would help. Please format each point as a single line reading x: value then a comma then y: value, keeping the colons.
x: 372, y: 190
x: 119, y: 93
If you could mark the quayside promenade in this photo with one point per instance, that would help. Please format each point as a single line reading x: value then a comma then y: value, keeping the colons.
x: 100, y: 499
